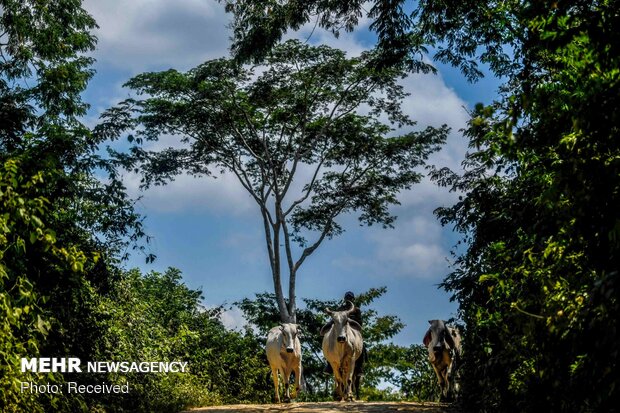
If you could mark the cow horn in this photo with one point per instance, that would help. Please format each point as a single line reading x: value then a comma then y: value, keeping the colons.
x: 328, y: 311
x: 351, y: 307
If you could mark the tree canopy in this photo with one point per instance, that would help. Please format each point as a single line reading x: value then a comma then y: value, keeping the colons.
x: 307, y: 135
x: 61, y: 226
x: 258, y: 26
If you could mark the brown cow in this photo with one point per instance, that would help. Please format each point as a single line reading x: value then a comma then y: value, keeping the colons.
x: 444, y: 350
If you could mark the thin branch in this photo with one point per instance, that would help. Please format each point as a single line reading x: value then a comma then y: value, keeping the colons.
x: 309, y: 250
x: 515, y: 306
x: 316, y: 22
x: 241, y: 175
x: 308, y: 190
x: 246, y: 144
x: 264, y: 142
x: 331, y: 118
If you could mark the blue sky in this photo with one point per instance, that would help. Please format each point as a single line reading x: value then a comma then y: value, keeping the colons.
x: 210, y: 228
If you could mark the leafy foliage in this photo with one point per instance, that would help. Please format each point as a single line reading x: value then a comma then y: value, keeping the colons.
x: 408, y: 370
x: 303, y: 136
x: 42, y: 73
x: 61, y: 227
x: 258, y: 26
x: 23, y: 231
x: 42, y: 42
x: 155, y: 317
x: 537, y: 284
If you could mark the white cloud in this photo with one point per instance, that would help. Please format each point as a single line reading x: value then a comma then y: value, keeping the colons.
x: 143, y: 34
x: 417, y: 260
x: 220, y: 195
x: 433, y: 103
x: 233, y: 319
x: 413, y: 249
x: 417, y: 246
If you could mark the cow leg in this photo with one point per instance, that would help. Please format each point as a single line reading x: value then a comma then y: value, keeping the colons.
x: 357, y: 374
x: 447, y: 390
x: 443, y: 384
x: 440, y: 380
x: 347, y: 379
x: 298, y: 378
x: 344, y: 382
x: 349, y: 392
x: 357, y: 378
x: 274, y: 372
x: 287, y: 381
x: 438, y: 374
x: 338, y: 378
x: 453, y: 382
x: 452, y: 378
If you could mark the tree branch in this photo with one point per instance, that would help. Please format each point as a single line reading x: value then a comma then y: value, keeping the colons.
x: 308, y: 190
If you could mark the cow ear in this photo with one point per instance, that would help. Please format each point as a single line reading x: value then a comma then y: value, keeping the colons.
x: 427, y: 338
x: 354, y: 324
x: 430, y: 321
x: 281, y: 327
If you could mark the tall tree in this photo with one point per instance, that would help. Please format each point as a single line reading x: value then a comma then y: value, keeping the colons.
x: 43, y: 71
x: 303, y: 135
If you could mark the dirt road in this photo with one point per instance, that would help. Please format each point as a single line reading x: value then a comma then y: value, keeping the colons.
x: 332, y: 407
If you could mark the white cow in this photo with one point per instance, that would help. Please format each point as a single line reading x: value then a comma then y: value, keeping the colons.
x: 284, y: 355
x: 342, y: 346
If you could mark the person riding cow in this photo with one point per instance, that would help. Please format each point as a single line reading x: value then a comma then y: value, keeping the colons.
x: 342, y: 346
x: 355, y: 315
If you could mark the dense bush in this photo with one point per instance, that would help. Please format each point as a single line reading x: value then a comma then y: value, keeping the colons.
x: 155, y: 317
x: 538, y: 284
x: 25, y: 323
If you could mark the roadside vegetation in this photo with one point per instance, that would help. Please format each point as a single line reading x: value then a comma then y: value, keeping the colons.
x: 536, y: 280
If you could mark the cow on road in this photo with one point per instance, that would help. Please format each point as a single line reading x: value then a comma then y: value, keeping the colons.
x: 444, y: 350
x: 284, y: 356
x: 342, y: 346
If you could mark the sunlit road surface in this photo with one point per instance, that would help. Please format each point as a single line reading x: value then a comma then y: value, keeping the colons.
x: 332, y: 407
